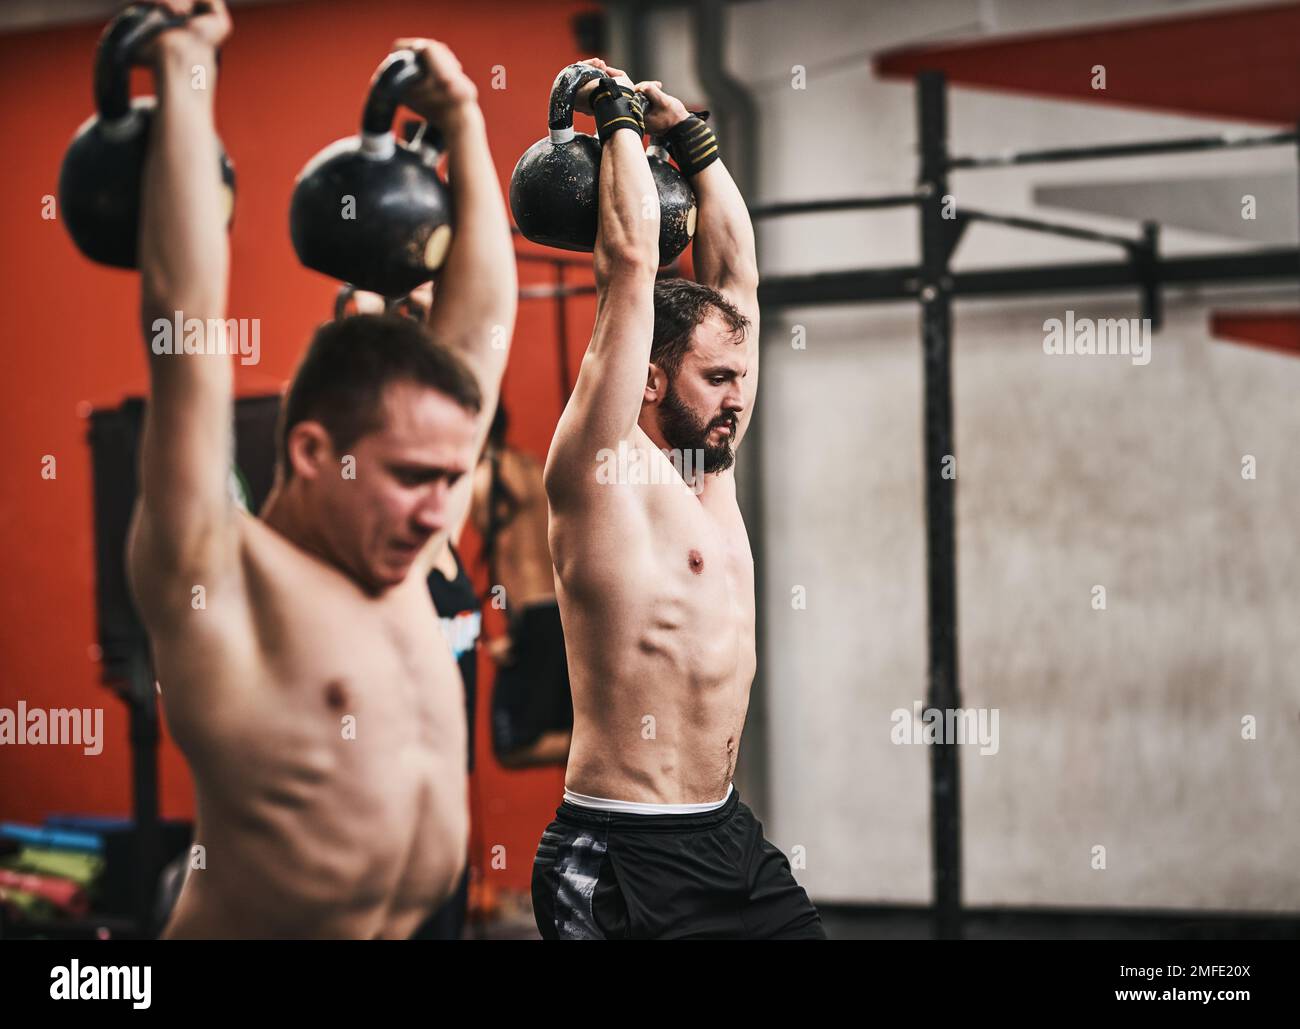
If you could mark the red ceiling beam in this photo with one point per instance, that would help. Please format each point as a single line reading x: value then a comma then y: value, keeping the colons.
x: 1272, y: 330
x: 1239, y: 64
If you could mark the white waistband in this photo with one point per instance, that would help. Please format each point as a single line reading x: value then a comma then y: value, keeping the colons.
x: 632, y: 807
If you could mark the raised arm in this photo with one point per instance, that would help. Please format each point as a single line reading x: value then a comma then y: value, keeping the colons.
x: 473, y: 310
x: 606, y: 400
x: 724, y: 253
x: 474, y: 307
x: 185, y: 519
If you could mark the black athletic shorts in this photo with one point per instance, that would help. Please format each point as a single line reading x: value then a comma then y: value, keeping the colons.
x: 530, y: 695
x: 599, y: 875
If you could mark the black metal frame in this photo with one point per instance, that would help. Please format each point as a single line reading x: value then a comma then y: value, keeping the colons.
x: 935, y: 285
x: 560, y: 290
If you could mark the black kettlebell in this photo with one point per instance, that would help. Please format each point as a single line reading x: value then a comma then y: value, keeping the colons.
x: 371, y: 209
x: 677, y: 208
x: 554, y: 189
x: 102, y: 172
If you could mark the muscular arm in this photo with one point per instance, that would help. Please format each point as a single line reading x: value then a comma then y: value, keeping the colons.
x: 474, y: 310
x: 185, y: 521
x: 606, y: 400
x: 725, y: 259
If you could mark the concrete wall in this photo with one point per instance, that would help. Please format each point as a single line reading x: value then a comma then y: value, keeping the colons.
x: 1119, y: 728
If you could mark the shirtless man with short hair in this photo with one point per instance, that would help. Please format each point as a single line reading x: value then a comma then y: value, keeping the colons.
x: 312, y: 692
x: 655, y: 575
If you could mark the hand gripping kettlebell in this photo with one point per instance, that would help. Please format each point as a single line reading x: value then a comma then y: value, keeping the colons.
x: 370, y: 209
x: 102, y: 171
x: 554, y: 189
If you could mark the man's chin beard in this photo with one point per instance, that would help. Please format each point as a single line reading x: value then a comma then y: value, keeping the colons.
x: 719, y: 458
x: 685, y: 435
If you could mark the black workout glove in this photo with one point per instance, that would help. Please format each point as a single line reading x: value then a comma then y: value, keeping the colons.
x: 693, y: 145
x: 617, y: 106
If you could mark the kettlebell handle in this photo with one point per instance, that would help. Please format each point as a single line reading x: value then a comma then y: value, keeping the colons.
x: 398, y: 70
x: 423, y: 134
x: 563, y: 93
x: 121, y: 40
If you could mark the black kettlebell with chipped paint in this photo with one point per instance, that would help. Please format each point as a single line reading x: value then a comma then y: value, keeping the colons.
x: 555, y: 187
x: 677, y: 208
x: 103, y: 170
x: 372, y: 210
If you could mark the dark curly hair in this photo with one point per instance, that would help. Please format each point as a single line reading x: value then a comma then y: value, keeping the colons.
x: 680, y: 305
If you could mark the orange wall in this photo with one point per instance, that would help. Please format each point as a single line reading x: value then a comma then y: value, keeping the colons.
x: 293, y: 79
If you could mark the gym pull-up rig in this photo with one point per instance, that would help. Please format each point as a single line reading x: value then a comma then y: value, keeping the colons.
x: 935, y: 285
x: 560, y: 289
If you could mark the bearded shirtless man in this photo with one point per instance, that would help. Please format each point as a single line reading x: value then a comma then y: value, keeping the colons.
x: 312, y: 692
x: 654, y: 571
